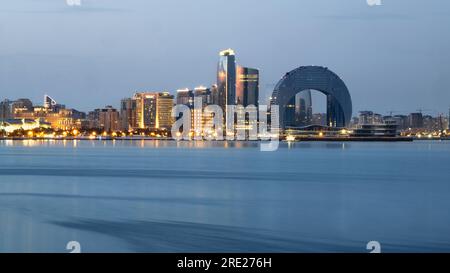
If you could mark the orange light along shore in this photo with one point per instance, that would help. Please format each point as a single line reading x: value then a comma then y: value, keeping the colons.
x: 302, y: 139
x: 350, y: 138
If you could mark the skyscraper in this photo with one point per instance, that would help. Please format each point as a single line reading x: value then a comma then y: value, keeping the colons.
x: 247, y: 86
x: 226, y: 79
x: 145, y: 110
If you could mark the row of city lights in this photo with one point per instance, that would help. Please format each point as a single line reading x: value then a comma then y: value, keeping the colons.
x: 90, y: 134
x: 75, y: 133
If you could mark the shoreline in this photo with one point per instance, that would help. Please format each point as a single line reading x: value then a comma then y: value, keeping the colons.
x: 308, y: 139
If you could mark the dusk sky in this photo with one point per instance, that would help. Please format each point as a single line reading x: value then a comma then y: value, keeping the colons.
x: 392, y: 57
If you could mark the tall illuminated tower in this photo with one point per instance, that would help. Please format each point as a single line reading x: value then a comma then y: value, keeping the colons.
x: 226, y: 79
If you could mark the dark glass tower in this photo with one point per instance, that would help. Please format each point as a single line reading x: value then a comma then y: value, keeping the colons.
x: 247, y: 86
x: 226, y: 79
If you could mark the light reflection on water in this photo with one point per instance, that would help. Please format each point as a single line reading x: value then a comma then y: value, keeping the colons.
x: 166, y: 196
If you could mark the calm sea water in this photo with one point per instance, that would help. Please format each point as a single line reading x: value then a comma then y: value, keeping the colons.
x: 163, y: 196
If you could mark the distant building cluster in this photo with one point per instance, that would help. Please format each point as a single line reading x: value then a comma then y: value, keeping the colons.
x: 50, y: 114
x: 148, y: 110
x: 412, y: 122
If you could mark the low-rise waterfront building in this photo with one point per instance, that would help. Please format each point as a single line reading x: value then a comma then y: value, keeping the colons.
x: 11, y: 125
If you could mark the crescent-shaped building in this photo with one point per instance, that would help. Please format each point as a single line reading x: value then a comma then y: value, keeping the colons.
x: 339, y: 102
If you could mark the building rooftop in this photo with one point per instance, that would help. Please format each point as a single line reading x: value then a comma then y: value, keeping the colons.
x: 227, y: 52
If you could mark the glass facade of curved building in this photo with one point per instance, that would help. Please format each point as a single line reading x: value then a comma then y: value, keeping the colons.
x: 339, y: 103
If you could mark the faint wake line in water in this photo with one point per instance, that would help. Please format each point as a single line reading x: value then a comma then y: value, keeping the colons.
x: 170, y: 236
x: 195, y: 201
x: 205, y: 175
x: 160, y: 174
x: 176, y: 236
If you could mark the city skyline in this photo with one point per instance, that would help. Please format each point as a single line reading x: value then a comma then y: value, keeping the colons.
x: 242, y: 87
x: 98, y: 56
x: 298, y: 102
x: 152, y: 110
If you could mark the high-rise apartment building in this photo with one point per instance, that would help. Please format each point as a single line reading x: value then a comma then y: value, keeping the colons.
x: 154, y: 110
x: 164, y: 105
x: 145, y: 110
x: 108, y: 119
